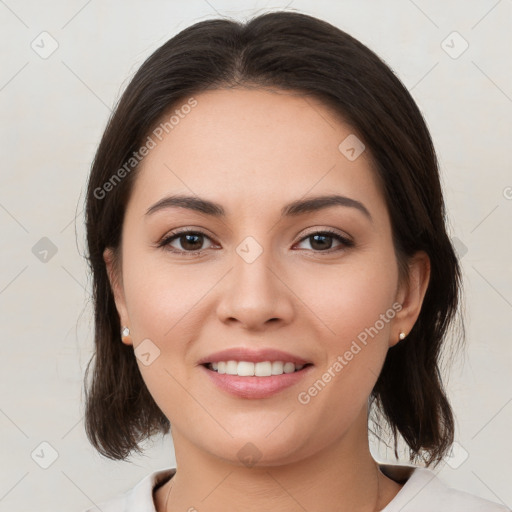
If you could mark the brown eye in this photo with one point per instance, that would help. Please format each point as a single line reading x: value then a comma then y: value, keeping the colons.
x: 185, y: 241
x: 192, y: 242
x: 322, y: 241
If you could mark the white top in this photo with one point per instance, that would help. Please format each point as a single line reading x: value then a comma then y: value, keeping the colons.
x: 423, y: 491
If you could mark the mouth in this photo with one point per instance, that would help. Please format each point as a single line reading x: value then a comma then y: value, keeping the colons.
x: 255, y: 369
x: 255, y: 379
x: 250, y: 373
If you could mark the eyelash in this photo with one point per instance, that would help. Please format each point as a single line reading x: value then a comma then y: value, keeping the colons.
x: 165, y: 242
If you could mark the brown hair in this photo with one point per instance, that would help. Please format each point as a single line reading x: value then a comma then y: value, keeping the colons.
x: 295, y: 52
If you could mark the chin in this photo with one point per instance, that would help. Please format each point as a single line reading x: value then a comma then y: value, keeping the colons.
x: 257, y: 448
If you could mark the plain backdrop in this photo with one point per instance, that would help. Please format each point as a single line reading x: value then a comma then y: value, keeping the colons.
x: 63, y: 67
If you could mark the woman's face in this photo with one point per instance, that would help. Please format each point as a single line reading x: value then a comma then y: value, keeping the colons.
x: 253, y: 276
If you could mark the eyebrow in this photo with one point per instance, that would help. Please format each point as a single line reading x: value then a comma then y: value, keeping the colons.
x: 292, y: 209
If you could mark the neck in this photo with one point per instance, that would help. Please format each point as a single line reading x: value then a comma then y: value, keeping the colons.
x: 342, y: 477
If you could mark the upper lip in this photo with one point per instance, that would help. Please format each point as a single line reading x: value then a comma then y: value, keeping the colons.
x: 255, y: 356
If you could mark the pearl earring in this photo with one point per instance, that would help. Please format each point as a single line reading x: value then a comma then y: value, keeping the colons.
x: 402, y: 335
x: 125, y: 332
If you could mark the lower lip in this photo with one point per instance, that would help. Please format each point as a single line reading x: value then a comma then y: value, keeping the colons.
x: 255, y: 387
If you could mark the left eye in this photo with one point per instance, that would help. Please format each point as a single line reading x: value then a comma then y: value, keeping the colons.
x: 190, y: 241
x: 321, y: 240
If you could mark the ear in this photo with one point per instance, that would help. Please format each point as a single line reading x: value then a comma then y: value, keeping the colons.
x: 116, y: 286
x: 410, y: 295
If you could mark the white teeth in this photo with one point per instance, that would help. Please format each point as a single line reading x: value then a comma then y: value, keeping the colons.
x: 231, y: 367
x: 289, y: 368
x: 277, y: 367
x: 250, y: 369
x: 263, y: 369
x: 244, y: 369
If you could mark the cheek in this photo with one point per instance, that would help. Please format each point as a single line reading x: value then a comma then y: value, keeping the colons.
x: 351, y: 299
x: 161, y: 295
x: 355, y: 306
x: 166, y: 306
x: 358, y: 311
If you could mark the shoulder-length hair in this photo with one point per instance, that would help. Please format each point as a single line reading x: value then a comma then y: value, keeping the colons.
x: 293, y: 52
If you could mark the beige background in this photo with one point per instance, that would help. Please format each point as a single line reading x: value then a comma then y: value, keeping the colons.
x: 53, y: 112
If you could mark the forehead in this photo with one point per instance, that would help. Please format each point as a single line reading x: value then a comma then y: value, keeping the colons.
x: 251, y: 149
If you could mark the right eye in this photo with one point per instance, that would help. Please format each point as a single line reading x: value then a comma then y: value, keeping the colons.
x: 190, y: 242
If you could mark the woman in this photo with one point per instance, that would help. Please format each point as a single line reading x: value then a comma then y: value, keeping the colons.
x: 266, y: 233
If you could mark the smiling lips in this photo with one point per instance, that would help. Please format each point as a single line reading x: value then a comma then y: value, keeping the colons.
x: 270, y: 371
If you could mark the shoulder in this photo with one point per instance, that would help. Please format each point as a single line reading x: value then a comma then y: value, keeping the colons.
x: 424, y: 491
x: 137, y: 499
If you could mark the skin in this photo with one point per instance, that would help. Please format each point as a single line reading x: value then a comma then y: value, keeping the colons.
x: 253, y: 151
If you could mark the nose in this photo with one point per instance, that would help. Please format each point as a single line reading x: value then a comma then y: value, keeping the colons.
x: 255, y: 294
